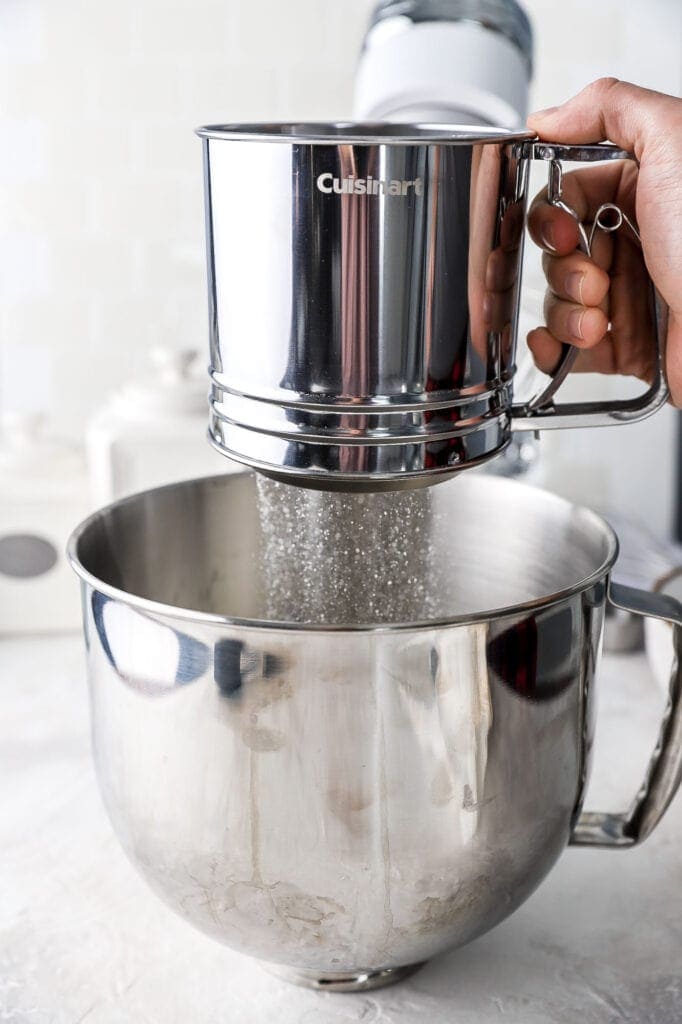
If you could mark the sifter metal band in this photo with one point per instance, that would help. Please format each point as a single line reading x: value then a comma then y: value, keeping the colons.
x: 411, y: 438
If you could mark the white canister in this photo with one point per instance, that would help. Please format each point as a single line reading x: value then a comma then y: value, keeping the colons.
x: 153, y: 431
x: 44, y: 489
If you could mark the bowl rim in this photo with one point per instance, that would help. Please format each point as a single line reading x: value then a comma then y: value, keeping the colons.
x: 160, y: 608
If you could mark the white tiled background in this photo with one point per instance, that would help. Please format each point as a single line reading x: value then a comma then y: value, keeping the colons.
x: 101, y: 221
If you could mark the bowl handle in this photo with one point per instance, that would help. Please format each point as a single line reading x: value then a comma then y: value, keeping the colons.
x: 664, y: 773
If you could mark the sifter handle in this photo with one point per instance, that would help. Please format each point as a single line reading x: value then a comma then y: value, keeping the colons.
x: 541, y: 412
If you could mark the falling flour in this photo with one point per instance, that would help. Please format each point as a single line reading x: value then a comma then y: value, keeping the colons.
x: 343, y: 558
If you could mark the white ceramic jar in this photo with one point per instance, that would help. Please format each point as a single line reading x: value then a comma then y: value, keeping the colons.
x: 44, y: 491
x: 153, y: 431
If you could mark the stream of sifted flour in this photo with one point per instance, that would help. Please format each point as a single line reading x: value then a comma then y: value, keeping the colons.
x: 344, y: 558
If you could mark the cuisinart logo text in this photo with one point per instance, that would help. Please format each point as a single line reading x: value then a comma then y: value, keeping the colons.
x: 369, y: 186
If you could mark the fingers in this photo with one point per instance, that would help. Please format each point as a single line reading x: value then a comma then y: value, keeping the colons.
x: 584, y: 191
x: 583, y: 326
x: 576, y: 278
x: 546, y: 352
x: 607, y: 109
x: 545, y: 349
x: 625, y: 347
x: 552, y: 229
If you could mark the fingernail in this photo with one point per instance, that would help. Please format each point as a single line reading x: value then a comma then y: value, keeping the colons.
x: 574, y: 285
x: 547, y: 112
x: 575, y: 323
x: 547, y: 234
x: 487, y: 309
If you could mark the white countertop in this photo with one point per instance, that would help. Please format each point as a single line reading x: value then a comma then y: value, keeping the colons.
x: 82, y: 939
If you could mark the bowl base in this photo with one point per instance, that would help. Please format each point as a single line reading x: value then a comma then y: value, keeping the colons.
x: 353, y: 981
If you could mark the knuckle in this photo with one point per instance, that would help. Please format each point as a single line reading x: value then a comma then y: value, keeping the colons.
x: 606, y: 84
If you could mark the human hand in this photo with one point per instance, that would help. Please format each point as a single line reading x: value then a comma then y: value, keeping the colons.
x: 602, y: 305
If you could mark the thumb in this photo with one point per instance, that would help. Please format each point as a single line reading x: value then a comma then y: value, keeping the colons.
x: 608, y: 109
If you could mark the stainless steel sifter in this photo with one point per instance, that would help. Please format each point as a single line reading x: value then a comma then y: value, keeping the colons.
x: 355, y: 343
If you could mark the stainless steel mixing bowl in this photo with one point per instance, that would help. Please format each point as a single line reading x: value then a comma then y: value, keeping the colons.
x: 346, y: 802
